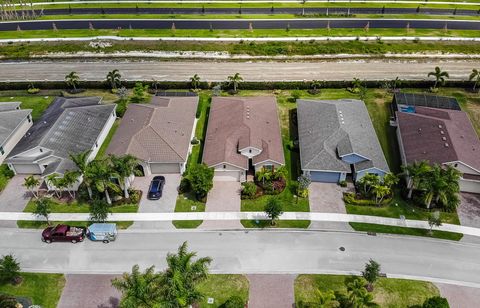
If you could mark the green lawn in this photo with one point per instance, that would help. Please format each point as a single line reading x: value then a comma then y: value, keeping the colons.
x: 184, y: 204
x: 406, y: 231
x: 388, y: 292
x: 108, y: 139
x: 38, y: 104
x: 5, y: 175
x: 297, y: 224
x: 222, y: 287
x: 80, y: 207
x: 29, y: 224
x: 42, y: 289
x: 201, y: 128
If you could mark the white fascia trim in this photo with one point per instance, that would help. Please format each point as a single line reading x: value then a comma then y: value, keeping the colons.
x: 460, y: 162
x: 227, y: 163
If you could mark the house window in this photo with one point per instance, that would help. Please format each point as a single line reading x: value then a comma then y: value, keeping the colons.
x: 29, y: 118
x: 250, y: 151
x: 2, y: 151
x: 456, y: 165
x: 268, y: 167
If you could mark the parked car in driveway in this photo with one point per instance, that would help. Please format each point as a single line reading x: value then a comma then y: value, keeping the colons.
x: 156, y: 188
x: 105, y: 232
x: 63, y: 233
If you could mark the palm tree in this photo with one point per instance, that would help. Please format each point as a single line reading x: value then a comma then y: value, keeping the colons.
x: 368, y: 181
x: 264, y: 175
x: 390, y: 180
x: 416, y: 174
x: 281, y: 172
x: 125, y: 167
x: 139, y: 289
x: 235, y: 80
x: 101, y: 174
x: 440, y: 76
x: 72, y: 80
x: 52, y: 182
x: 180, y: 280
x: 195, y: 81
x: 380, y: 192
x: 435, y: 186
x: 475, y: 76
x: 81, y: 161
x: 325, y: 299
x: 69, y: 179
x: 358, y: 296
x: 32, y: 184
x: 114, y: 78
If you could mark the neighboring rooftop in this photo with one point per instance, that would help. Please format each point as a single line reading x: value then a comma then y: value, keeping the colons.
x: 439, y: 136
x: 236, y: 123
x: 328, y: 129
x: 8, y: 106
x: 10, y: 118
x: 423, y: 100
x: 157, y: 132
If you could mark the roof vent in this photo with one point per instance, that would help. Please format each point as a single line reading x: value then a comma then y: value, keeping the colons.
x: 440, y: 126
x: 442, y: 132
x: 424, y: 152
x: 444, y: 138
x: 446, y: 145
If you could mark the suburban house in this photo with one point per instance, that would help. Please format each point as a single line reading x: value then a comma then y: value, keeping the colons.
x: 336, y: 139
x: 68, y: 126
x: 442, y: 136
x: 243, y: 136
x: 14, y: 123
x: 159, y: 134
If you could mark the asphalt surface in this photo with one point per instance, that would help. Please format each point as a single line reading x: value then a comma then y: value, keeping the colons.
x: 254, y: 252
x: 219, y: 70
x: 252, y: 11
x: 239, y: 24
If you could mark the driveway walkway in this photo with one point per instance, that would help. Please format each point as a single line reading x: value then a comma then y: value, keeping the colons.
x: 459, y: 296
x: 166, y: 204
x: 271, y: 291
x: 93, y: 291
x: 224, y: 197
x: 14, y: 198
x: 327, y: 198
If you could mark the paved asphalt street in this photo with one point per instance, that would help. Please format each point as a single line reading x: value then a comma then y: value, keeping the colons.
x: 241, y: 24
x: 272, y: 252
x: 247, y: 11
x: 219, y: 70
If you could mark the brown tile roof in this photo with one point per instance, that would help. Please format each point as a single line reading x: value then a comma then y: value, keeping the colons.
x: 439, y: 136
x: 239, y: 122
x: 156, y: 132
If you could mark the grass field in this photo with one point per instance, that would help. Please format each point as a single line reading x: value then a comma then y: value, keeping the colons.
x: 388, y: 292
x: 43, y: 289
x: 37, y: 103
x: 222, y: 287
x: 297, y: 224
x: 185, y: 203
x: 406, y: 231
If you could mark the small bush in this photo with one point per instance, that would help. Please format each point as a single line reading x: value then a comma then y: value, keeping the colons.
x: 436, y: 302
x: 184, y: 186
x: 351, y: 199
x: 195, y: 141
x: 33, y: 90
x: 134, y: 196
x: 121, y: 107
x: 343, y: 183
x: 233, y: 302
x: 296, y: 94
x: 9, y: 269
x: 249, y: 190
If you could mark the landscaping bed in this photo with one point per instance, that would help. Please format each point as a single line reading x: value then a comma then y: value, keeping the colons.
x: 80, y: 207
x: 297, y: 224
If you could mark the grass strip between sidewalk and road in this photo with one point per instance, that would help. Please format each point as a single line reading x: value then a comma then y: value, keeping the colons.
x: 32, y: 224
x: 265, y: 224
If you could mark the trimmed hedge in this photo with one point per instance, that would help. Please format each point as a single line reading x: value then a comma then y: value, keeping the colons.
x: 350, y: 199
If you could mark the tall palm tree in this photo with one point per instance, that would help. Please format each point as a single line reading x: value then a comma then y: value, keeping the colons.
x: 358, y: 296
x: 70, y: 178
x: 180, y: 280
x: 475, y: 76
x: 125, y: 167
x: 32, y: 184
x: 81, y: 161
x: 139, y: 290
x: 53, y: 181
x: 101, y: 174
x: 440, y: 76
x: 325, y: 299
x: 114, y: 78
x: 235, y: 80
x: 416, y: 174
x: 195, y: 81
x: 435, y: 186
x: 72, y: 80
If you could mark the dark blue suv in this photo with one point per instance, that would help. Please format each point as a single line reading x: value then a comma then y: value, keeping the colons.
x: 156, y: 188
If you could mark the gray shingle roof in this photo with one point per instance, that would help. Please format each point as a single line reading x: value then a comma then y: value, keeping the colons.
x: 329, y: 129
x: 7, y: 106
x: 10, y: 119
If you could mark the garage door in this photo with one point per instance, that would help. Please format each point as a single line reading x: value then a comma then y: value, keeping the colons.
x: 27, y: 169
x: 226, y: 176
x: 325, y: 177
x: 159, y: 168
x: 469, y: 186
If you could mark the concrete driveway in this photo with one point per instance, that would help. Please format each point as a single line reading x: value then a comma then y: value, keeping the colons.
x: 459, y: 296
x: 166, y: 204
x: 14, y: 198
x: 94, y: 291
x: 271, y: 291
x: 224, y: 197
x: 469, y: 210
x: 327, y: 198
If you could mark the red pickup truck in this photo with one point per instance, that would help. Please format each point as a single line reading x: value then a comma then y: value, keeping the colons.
x: 63, y: 233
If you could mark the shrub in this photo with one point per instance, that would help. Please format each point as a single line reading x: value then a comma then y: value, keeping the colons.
x: 121, y: 107
x: 184, y: 186
x: 343, y: 183
x: 249, y: 190
x: 296, y: 94
x: 134, y: 196
x: 9, y: 269
x: 436, y: 302
x: 233, y: 302
x: 351, y: 199
x: 33, y: 90
x: 201, y: 179
x: 195, y: 141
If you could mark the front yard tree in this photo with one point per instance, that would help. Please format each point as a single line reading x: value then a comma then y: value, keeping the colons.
x: 436, y: 302
x: 72, y: 80
x: 434, y: 220
x: 440, y: 77
x: 475, y: 76
x: 273, y: 209
x: 101, y: 174
x: 234, y: 81
x: 125, y: 167
x: 263, y: 175
x: 42, y: 208
x: 195, y: 82
x: 9, y: 269
x: 114, y: 78
x: 99, y: 210
x: 390, y: 180
x: 32, y: 184
x: 139, y: 289
x: 380, y: 191
x: 371, y: 273
x: 179, y: 282
x: 303, y: 184
x: 81, y: 161
x: 441, y: 185
x: 70, y: 178
x: 326, y: 299
x: 139, y: 93
x: 416, y: 174
x: 201, y: 179
x: 369, y: 181
x: 358, y: 296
